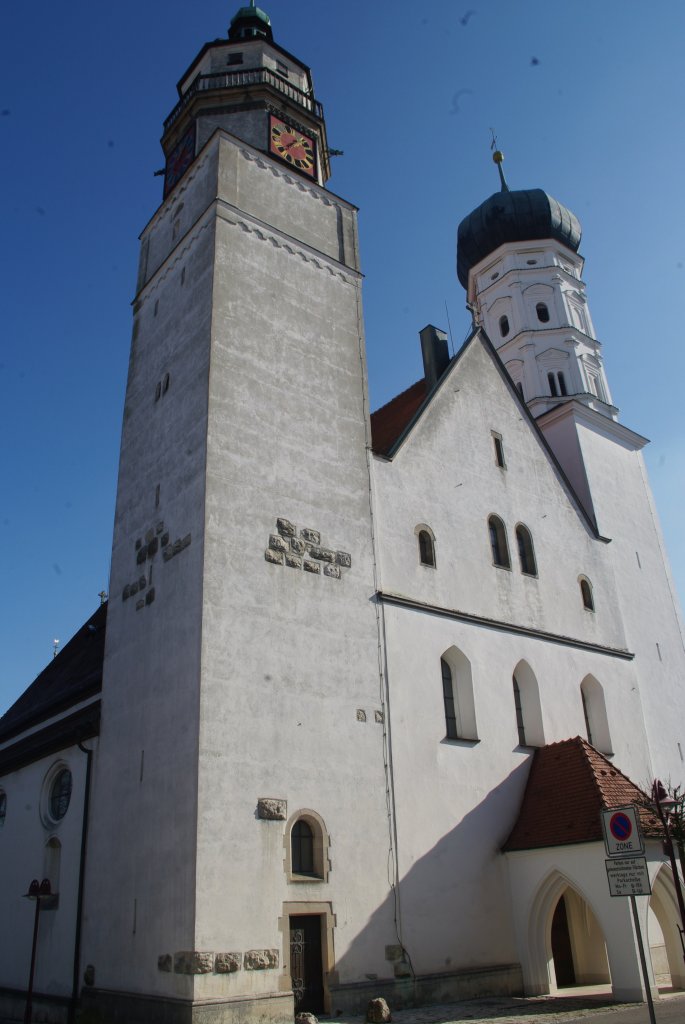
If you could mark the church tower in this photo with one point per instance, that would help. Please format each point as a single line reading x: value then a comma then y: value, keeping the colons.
x: 245, y: 722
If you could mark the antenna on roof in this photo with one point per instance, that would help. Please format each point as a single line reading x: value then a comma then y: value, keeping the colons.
x: 55, y: 647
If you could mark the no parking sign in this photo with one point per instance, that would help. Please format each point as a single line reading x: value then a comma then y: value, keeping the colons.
x: 622, y: 836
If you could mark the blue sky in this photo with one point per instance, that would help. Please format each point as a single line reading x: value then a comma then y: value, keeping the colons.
x: 586, y: 100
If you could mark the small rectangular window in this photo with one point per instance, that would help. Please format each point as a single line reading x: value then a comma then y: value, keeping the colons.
x: 234, y: 58
x: 499, y: 451
x: 282, y: 68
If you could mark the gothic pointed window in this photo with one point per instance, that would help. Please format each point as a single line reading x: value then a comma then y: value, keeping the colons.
x: 498, y: 543
x: 527, y: 706
x: 524, y: 542
x: 595, y: 714
x: 452, y: 732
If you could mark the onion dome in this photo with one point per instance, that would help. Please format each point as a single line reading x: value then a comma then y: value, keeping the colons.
x: 250, y: 23
x: 520, y: 216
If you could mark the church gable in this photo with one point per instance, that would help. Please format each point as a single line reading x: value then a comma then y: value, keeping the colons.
x: 511, y: 538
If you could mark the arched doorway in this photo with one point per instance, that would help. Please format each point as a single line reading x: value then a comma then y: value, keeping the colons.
x: 662, y: 929
x: 576, y: 943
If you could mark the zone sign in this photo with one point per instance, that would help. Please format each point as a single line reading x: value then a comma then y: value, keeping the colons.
x: 622, y: 836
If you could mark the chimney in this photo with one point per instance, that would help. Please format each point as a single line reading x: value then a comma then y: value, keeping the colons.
x: 435, y: 354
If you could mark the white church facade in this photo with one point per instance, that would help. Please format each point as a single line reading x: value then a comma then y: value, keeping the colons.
x: 363, y: 683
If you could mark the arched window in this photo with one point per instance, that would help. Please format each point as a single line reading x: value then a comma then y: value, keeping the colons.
x: 457, y: 695
x: 498, y: 543
x: 306, y: 847
x: 302, y: 839
x: 562, y: 383
x: 552, y: 381
x: 526, y: 551
x: 586, y: 594
x: 527, y: 706
x: 426, y: 546
x: 595, y: 713
x: 504, y: 326
x: 542, y: 312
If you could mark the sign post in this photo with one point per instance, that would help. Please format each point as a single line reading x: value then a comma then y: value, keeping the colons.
x: 627, y: 872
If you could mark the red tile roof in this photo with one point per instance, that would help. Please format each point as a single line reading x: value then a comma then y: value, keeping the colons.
x: 569, y: 784
x: 388, y: 422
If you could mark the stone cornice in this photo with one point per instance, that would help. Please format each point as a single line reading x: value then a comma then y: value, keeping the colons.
x: 588, y: 417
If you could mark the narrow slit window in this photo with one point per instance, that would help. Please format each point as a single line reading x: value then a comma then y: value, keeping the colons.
x: 542, y: 312
x: 552, y: 381
x: 519, y: 388
x: 588, y: 730
x: 452, y: 733
x: 524, y: 542
x: 499, y: 451
x: 426, y: 549
x: 586, y: 593
x: 520, y: 724
x: 498, y: 543
x: 504, y: 326
x: 562, y: 383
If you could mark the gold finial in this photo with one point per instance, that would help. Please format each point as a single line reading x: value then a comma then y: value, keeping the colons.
x: 498, y: 158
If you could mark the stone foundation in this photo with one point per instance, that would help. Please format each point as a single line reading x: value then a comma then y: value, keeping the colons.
x: 49, y: 1009
x: 99, y: 1006
x: 452, y: 987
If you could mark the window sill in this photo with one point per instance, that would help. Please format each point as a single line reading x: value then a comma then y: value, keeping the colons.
x: 312, y: 879
x: 460, y: 741
x: 527, y: 748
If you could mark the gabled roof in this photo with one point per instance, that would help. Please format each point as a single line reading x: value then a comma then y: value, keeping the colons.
x: 569, y: 784
x: 72, y: 676
x: 392, y: 419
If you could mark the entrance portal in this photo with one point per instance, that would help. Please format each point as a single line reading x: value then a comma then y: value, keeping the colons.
x: 562, y: 953
x: 306, y: 967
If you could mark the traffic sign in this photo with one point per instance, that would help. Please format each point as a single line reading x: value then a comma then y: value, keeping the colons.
x: 622, y: 836
x: 628, y: 877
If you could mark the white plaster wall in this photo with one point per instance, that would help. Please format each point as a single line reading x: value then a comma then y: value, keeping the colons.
x: 288, y: 657
x: 22, y: 857
x: 141, y: 866
x: 646, y: 594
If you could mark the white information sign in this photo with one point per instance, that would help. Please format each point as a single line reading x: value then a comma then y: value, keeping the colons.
x: 628, y: 877
x: 622, y: 836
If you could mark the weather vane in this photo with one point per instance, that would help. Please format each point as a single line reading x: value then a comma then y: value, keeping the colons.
x: 498, y: 157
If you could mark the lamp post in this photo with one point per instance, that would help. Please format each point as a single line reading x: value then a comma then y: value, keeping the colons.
x: 663, y: 804
x: 37, y: 891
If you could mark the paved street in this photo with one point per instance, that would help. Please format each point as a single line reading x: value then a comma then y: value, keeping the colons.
x: 590, y: 1007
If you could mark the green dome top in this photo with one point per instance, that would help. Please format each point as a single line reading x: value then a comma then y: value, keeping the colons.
x: 250, y: 22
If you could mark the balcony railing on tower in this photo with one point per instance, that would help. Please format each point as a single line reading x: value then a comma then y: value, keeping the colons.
x: 239, y: 80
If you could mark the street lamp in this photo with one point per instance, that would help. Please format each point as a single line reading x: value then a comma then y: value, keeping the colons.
x: 664, y: 805
x: 37, y: 891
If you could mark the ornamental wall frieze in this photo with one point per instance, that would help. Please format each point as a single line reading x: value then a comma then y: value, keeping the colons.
x: 303, y: 550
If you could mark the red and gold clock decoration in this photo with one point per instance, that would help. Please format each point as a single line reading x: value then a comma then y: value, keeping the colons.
x: 292, y: 146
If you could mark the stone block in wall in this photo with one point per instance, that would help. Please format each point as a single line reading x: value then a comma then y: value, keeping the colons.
x: 274, y: 556
x: 164, y: 539
x: 227, y: 963
x: 294, y: 561
x: 140, y: 604
x: 298, y: 547
x: 276, y: 542
x: 168, y: 553
x: 361, y: 715
x: 149, y: 534
x: 159, y: 528
x: 286, y: 528
x: 153, y: 547
x: 343, y: 559
x: 311, y: 566
x: 323, y: 554
x: 150, y: 596
x: 193, y: 962
x: 378, y: 715
x: 142, y: 555
x: 310, y: 536
x: 378, y: 1012
x: 165, y: 962
x: 142, y: 582
x: 261, y: 959
x: 271, y: 808
x: 139, y: 544
x: 332, y: 570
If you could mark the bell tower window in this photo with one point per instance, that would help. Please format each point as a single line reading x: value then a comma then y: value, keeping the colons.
x: 543, y: 312
x: 504, y: 326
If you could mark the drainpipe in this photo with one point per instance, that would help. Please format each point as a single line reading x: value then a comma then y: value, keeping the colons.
x: 81, y: 880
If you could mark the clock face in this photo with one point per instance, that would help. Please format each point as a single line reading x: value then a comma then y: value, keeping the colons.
x: 179, y: 160
x: 292, y: 146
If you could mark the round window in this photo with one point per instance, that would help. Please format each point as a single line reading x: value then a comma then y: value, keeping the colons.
x: 3, y: 807
x: 60, y: 794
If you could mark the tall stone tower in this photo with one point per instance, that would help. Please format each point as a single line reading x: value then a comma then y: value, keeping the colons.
x: 241, y: 679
